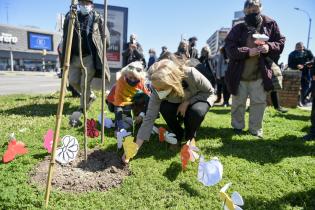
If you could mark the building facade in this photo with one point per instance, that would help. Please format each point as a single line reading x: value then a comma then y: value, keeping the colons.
x: 28, y: 49
x: 217, y: 39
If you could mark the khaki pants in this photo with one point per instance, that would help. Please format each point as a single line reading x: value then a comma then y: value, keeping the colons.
x: 76, y: 76
x: 257, y: 96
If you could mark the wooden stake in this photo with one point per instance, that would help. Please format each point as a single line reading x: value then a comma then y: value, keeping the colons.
x: 61, y: 97
x: 105, y: 66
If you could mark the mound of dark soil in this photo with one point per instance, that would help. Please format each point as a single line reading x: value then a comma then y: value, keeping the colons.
x: 102, y: 171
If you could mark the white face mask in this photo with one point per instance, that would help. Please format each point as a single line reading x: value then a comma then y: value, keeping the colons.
x: 163, y: 94
x: 85, y: 9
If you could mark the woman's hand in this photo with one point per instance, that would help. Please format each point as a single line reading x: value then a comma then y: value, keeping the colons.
x: 183, y: 108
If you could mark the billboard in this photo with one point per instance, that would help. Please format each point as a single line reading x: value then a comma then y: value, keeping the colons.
x: 117, y: 21
x: 39, y: 41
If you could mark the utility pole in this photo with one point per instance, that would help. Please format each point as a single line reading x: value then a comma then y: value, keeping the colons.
x: 309, y: 26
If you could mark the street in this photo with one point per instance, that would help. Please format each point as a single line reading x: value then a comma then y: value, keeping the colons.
x: 28, y: 82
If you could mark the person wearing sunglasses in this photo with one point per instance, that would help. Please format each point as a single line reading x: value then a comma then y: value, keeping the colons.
x: 180, y: 94
x: 120, y: 98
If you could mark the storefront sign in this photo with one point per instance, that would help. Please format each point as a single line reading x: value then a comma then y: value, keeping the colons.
x: 8, y: 38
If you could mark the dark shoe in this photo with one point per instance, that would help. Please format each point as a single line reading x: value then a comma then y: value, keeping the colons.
x: 238, y: 131
x: 282, y: 110
x: 309, y: 137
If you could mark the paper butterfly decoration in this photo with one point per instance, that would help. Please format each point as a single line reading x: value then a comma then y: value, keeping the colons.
x: 130, y: 148
x: 48, y: 140
x: 120, y: 137
x: 68, y: 151
x: 14, y: 148
x: 231, y: 203
x: 108, y: 123
x: 92, y: 132
x: 164, y: 135
x: 210, y: 173
x: 188, y: 152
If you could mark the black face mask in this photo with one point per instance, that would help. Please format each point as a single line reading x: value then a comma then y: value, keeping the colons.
x: 253, y: 19
x: 193, y: 44
x: 132, y: 83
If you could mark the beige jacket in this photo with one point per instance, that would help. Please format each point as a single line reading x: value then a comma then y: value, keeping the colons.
x: 198, y: 89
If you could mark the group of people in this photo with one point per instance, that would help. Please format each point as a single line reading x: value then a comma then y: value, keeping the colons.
x: 182, y: 86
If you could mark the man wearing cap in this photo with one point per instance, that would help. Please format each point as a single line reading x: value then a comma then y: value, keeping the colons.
x: 193, y: 52
x: 133, y: 51
x: 249, y: 71
x: 92, y: 32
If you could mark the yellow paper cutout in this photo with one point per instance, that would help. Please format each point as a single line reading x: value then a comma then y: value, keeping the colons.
x: 130, y: 147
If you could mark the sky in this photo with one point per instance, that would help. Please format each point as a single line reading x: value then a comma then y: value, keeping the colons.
x: 163, y: 22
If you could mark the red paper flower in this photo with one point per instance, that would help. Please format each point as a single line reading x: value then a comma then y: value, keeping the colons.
x: 14, y: 148
x: 92, y: 132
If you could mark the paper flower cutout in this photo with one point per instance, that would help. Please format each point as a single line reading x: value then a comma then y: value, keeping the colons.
x: 130, y: 148
x: 193, y: 151
x: 48, y: 140
x: 14, y: 148
x: 184, y: 156
x: 231, y: 203
x: 188, y: 152
x: 92, y: 132
x: 261, y: 37
x: 164, y: 135
x: 68, y: 151
x: 120, y: 137
x: 108, y: 123
x: 210, y: 173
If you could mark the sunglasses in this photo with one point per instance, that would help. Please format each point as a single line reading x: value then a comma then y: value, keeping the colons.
x: 131, y: 68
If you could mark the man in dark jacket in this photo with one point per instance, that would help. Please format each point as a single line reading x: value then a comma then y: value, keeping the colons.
x: 133, y: 51
x: 193, y: 52
x: 92, y: 32
x: 249, y: 74
x: 297, y: 60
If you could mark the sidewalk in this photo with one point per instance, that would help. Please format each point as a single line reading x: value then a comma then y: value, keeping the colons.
x: 28, y: 73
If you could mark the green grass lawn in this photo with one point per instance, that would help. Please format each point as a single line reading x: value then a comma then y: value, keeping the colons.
x: 275, y: 173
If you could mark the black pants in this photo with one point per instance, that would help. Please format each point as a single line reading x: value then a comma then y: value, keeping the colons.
x: 275, y: 99
x: 222, y: 88
x: 193, y: 118
x: 305, y: 89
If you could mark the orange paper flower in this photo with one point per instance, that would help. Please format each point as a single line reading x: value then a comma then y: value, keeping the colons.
x: 184, y: 156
